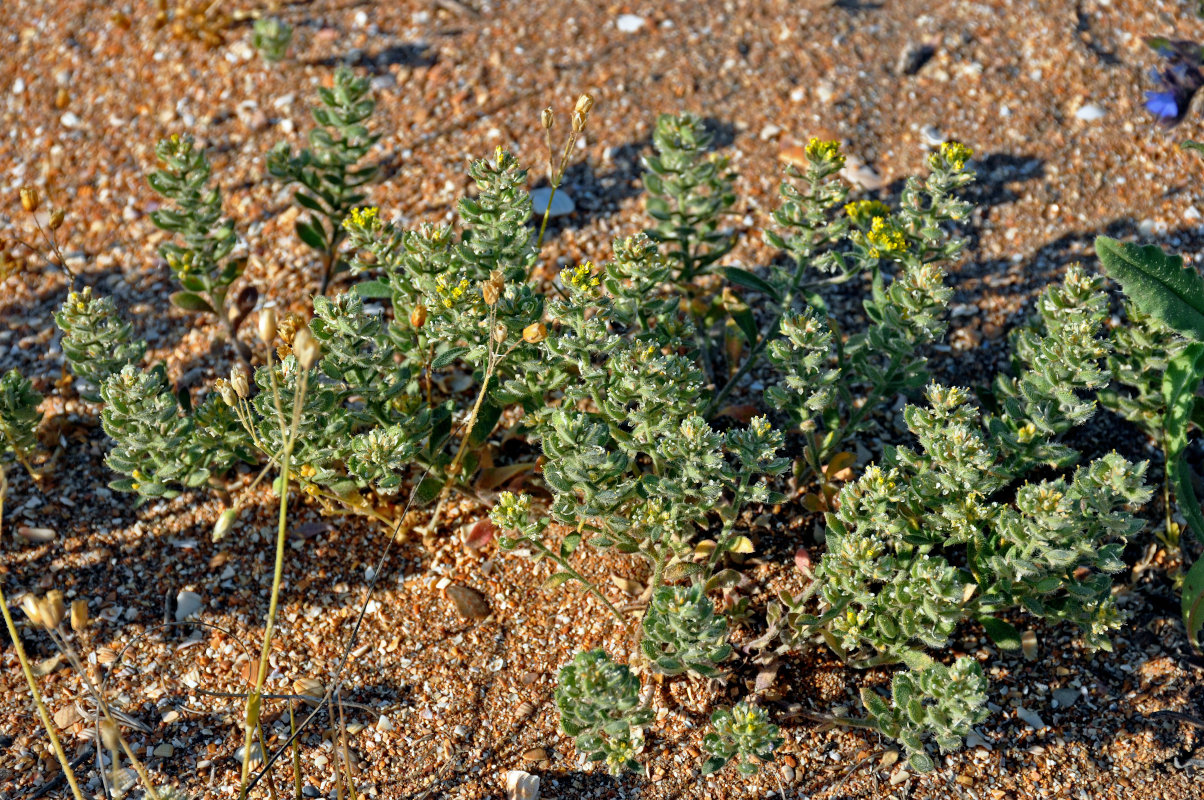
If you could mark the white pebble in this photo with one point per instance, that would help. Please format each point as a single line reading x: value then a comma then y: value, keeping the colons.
x: 1090, y: 112
x: 629, y: 23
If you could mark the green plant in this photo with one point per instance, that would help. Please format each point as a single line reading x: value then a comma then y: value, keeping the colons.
x: 203, y: 262
x: 1162, y: 287
x: 156, y: 446
x: 599, y: 703
x: 903, y: 312
x: 19, y: 419
x: 96, y: 341
x: 929, y: 700
x: 682, y: 632
x: 927, y: 540
x: 689, y: 192
x: 741, y: 732
x: 270, y: 37
x: 331, y: 180
x: 556, y: 168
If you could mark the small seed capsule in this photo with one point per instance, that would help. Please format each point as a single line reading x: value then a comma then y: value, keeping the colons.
x: 30, y: 198
x: 267, y: 325
x: 535, y: 333
x: 306, y: 348
x: 56, y: 218
x: 418, y: 316
x: 546, y: 118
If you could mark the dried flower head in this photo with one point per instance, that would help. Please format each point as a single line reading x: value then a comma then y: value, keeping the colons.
x: 240, y: 380
x: 30, y: 198
x: 418, y: 316
x: 546, y: 118
x: 535, y: 333
x: 306, y: 348
x: 57, y: 216
x: 79, y: 615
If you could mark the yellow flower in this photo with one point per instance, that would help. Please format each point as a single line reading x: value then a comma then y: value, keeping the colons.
x: 821, y: 151
x: 955, y: 154
x: 884, y: 238
x: 367, y: 218
x: 580, y: 277
x: 863, y: 212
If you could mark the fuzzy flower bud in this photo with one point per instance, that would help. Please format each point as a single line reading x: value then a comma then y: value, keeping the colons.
x: 30, y: 198
x: 535, y: 333
x: 418, y: 316
x: 267, y: 325
x: 306, y: 348
x: 224, y: 523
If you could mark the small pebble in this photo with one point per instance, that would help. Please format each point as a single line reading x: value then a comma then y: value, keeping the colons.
x: 629, y: 23
x: 562, y: 203
x: 187, y: 604
x: 1030, y: 718
x: 1089, y: 113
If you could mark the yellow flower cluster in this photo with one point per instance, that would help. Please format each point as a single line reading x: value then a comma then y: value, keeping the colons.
x: 367, y: 218
x: 450, y: 293
x: 884, y: 238
x: 821, y: 151
x: 862, y: 212
x: 580, y: 277
x: 956, y: 155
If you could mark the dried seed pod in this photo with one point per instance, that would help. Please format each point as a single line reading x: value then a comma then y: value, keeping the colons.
x: 79, y: 615
x: 222, y: 387
x: 30, y: 606
x: 239, y: 381
x: 306, y: 348
x: 56, y: 218
x: 105, y: 655
x: 418, y: 316
x: 52, y: 608
x: 30, y: 198
x: 579, y: 121
x: 535, y: 333
x: 267, y: 325
x: 500, y: 333
x: 585, y: 104
x: 490, y: 292
x: 546, y: 118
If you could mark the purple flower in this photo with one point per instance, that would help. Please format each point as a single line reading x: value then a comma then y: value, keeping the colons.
x: 1177, y: 82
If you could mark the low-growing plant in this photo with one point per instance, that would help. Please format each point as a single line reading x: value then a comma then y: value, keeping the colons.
x: 742, y: 734
x: 600, y: 707
x: 19, y: 420
x: 270, y: 37
x: 329, y: 171
x: 203, y: 260
x: 97, y: 342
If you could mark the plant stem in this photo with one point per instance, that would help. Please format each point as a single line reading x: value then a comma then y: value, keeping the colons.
x: 255, y: 698
x: 544, y: 225
x: 292, y: 729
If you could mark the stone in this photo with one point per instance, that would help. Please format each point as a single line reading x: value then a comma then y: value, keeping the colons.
x: 187, y: 604
x: 521, y: 785
x: 629, y: 23
x: 562, y: 203
x: 1030, y: 718
x: 1066, y: 697
x: 1090, y: 112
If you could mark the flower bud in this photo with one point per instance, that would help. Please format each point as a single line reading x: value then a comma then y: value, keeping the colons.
x: 418, y: 316
x: 224, y: 523
x: 239, y: 381
x: 267, y: 325
x: 30, y: 198
x: 79, y: 615
x: 535, y: 333
x: 306, y: 348
x: 56, y: 218
x: 52, y: 609
x: 546, y: 118
x: 585, y: 104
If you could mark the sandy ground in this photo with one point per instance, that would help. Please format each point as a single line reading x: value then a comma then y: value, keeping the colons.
x: 1047, y: 93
